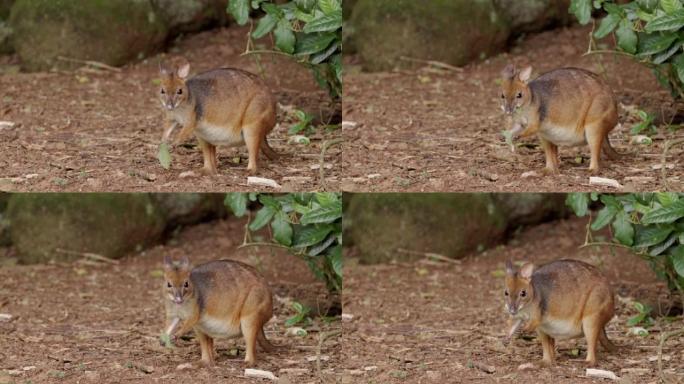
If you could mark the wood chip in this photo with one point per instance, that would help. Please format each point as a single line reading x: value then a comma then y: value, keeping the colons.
x: 605, y: 182
x: 601, y: 374
x: 184, y: 366
x: 187, y: 175
x: 251, y: 180
x: 346, y: 317
x: 259, y: 374
x: 529, y: 174
x: 349, y: 124
x: 484, y: 367
x: 5, y: 317
x: 6, y: 124
x: 526, y: 367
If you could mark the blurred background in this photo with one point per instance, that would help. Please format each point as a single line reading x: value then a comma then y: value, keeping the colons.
x: 81, y: 281
x: 424, y: 282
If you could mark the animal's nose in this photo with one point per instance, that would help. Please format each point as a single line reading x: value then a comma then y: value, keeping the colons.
x: 512, y: 310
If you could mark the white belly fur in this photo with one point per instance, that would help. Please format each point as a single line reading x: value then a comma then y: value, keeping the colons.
x: 217, y: 135
x: 218, y: 328
x: 562, y: 136
x: 561, y: 329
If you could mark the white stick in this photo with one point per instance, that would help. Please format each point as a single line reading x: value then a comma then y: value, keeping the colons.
x: 605, y: 182
x: 259, y: 374
x: 601, y: 374
x: 172, y: 327
x: 251, y: 180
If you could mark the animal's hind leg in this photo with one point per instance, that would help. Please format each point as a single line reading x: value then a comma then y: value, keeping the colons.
x: 207, y: 348
x: 548, y: 348
x: 250, y: 330
x: 594, y: 136
x: 591, y: 330
x: 209, y: 154
x: 253, y: 140
x: 551, y: 152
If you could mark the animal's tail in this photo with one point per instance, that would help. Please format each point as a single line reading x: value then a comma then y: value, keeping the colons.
x: 263, y: 341
x: 268, y: 151
x: 609, y: 150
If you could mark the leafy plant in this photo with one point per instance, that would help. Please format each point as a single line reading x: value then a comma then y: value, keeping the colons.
x: 645, y: 123
x: 650, y: 224
x: 301, y: 315
x: 643, y: 317
x: 309, y: 31
x: 650, y: 31
x: 303, y: 124
x: 307, y: 224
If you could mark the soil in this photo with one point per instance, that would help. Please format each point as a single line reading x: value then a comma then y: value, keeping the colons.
x: 94, y: 322
x: 99, y: 130
x: 435, y: 129
x: 436, y: 322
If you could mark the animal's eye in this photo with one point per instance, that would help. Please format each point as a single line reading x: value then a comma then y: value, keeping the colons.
x: 168, y: 284
x: 505, y: 293
x: 186, y: 284
x: 503, y: 96
x: 519, y: 95
x: 163, y: 91
x: 523, y: 293
x: 180, y: 91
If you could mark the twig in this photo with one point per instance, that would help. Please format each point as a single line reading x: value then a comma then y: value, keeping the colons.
x: 663, y: 338
x: 605, y: 244
x: 326, y: 145
x: 91, y: 63
x: 88, y: 255
x: 322, y: 337
x: 663, y: 172
x: 433, y: 63
x: 430, y: 255
x: 262, y: 244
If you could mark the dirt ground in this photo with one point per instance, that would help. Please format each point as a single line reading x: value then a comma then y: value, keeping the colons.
x: 98, y: 130
x: 428, y: 322
x: 78, y: 322
x: 432, y: 129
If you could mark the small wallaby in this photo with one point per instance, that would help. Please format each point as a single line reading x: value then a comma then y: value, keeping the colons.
x: 217, y: 299
x: 224, y: 106
x: 564, y: 107
x: 563, y: 299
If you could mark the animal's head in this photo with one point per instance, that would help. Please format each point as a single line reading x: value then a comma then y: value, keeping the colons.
x: 515, y: 93
x: 518, y: 292
x: 172, y: 91
x: 177, y: 284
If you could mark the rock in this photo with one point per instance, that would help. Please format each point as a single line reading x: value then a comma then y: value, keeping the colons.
x: 6, y: 46
x: 452, y: 225
x: 533, y: 15
x: 259, y: 374
x: 110, y: 225
x: 601, y: 374
x: 5, y: 6
x: 184, y: 366
x: 455, y: 32
x: 189, y: 208
x: 191, y: 15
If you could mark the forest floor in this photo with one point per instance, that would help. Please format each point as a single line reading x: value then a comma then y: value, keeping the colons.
x: 98, y: 130
x: 430, y: 322
x: 85, y: 322
x: 431, y: 129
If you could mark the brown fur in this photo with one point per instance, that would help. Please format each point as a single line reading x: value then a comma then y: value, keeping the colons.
x: 222, y: 294
x: 225, y: 102
x: 567, y: 106
x: 559, y: 300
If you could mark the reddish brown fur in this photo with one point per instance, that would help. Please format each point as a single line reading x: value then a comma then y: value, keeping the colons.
x: 223, y: 299
x: 567, y: 106
x: 562, y: 299
x: 232, y: 100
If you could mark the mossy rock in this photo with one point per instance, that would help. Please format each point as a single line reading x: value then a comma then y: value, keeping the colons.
x: 534, y: 15
x: 453, y: 225
x: 449, y: 224
x: 191, y: 15
x: 5, y: 6
x: 451, y: 31
x: 189, y: 208
x: 113, y: 32
x: 111, y: 225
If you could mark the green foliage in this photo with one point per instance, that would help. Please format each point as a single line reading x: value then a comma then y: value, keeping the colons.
x: 307, y: 30
x: 643, y: 317
x: 308, y: 224
x: 303, y: 124
x: 651, y: 224
x: 648, y: 30
x: 301, y: 315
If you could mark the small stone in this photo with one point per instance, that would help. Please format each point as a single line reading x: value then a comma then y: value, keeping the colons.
x: 184, y: 366
x: 259, y: 374
x: 187, y: 175
x: 526, y: 367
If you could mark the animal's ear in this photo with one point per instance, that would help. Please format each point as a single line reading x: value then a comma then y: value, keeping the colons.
x: 508, y: 73
x: 510, y: 269
x: 168, y: 262
x: 184, y: 262
x: 526, y: 271
x: 183, y: 71
x: 525, y: 74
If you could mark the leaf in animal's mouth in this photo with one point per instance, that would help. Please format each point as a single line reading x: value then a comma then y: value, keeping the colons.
x: 164, y: 156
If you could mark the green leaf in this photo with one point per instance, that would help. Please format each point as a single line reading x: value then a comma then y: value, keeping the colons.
x: 607, y: 25
x: 320, y: 247
x: 623, y: 229
x: 240, y: 10
x: 582, y: 10
x: 634, y: 320
x: 667, y: 198
x: 667, y: 22
x: 282, y: 230
x: 262, y: 218
x: 330, y: 6
x: 670, y: 6
x: 312, y: 43
x: 666, y: 214
x: 265, y: 25
x: 164, y: 156
x: 652, y: 235
x: 237, y: 202
x: 604, y: 217
x: 324, y: 23
x: 579, y: 202
x: 323, y: 214
x: 662, y: 247
x: 678, y: 63
x: 337, y: 261
x: 677, y: 258
x: 311, y: 234
x: 650, y: 44
x: 284, y: 37
x: 627, y: 38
